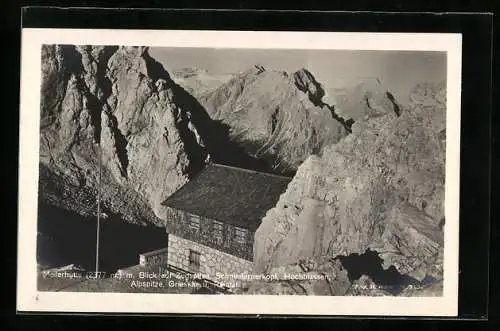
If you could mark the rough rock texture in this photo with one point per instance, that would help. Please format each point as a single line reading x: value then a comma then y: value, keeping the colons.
x: 321, y: 277
x: 380, y: 188
x: 124, y: 99
x: 276, y: 116
x: 429, y: 95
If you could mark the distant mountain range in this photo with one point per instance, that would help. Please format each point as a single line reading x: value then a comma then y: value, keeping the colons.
x: 199, y: 81
x: 361, y: 160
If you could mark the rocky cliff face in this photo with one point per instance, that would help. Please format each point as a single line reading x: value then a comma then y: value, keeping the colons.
x: 377, y: 184
x: 276, y: 116
x: 123, y: 99
x: 380, y: 188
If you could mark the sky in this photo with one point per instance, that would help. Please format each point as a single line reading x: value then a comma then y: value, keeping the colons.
x: 398, y: 70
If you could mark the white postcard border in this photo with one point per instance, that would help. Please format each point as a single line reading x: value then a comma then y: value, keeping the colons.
x: 30, y: 299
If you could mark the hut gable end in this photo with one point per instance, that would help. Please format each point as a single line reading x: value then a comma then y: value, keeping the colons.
x: 223, y: 206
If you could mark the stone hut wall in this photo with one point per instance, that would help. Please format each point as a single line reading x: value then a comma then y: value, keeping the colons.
x: 212, y: 261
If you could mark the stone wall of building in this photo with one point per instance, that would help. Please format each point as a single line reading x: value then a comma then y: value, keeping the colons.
x: 212, y: 261
x: 178, y: 222
x: 157, y: 257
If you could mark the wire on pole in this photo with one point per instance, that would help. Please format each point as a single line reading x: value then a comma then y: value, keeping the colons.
x: 98, y: 210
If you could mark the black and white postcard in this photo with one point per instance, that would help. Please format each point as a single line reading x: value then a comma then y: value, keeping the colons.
x: 239, y: 172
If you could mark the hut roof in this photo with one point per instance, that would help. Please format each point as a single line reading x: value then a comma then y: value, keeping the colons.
x: 232, y: 195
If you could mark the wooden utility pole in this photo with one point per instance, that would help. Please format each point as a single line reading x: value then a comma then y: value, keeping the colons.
x: 98, y: 210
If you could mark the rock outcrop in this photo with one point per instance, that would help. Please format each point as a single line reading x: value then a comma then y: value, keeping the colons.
x: 380, y: 188
x: 371, y: 178
x: 275, y: 116
x: 307, y: 277
x: 123, y: 100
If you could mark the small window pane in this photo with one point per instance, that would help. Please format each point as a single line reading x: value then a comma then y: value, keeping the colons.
x: 240, y: 235
x: 218, y: 226
x: 194, y: 222
x: 218, y: 232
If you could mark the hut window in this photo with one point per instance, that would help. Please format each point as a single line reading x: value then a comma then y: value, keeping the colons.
x: 218, y: 230
x: 240, y: 235
x: 194, y: 222
x: 194, y: 259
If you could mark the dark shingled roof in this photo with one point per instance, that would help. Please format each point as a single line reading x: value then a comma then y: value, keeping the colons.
x: 236, y: 196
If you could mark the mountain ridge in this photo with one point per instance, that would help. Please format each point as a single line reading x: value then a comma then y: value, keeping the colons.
x: 381, y: 188
x: 368, y: 172
x: 277, y: 116
x: 121, y: 99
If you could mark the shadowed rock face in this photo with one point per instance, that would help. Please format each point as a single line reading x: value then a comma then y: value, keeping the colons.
x: 154, y: 135
x: 380, y: 188
x: 306, y: 82
x: 124, y: 99
x: 275, y: 116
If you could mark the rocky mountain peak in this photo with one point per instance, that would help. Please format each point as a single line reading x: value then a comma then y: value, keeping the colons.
x: 276, y: 117
x: 123, y: 100
x: 113, y: 120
